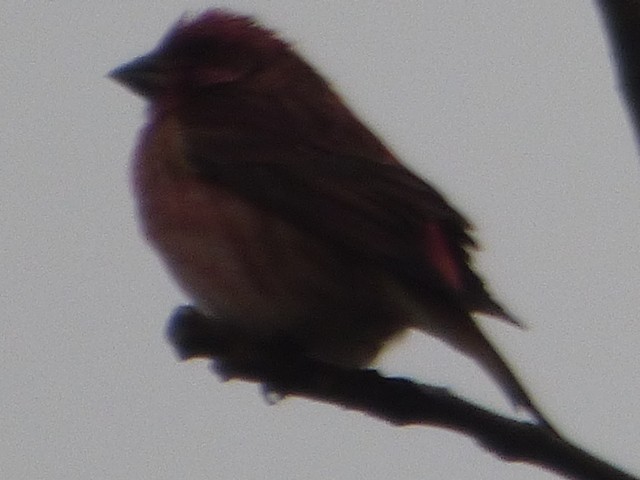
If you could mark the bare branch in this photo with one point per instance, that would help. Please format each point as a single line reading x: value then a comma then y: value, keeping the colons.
x: 399, y: 401
x: 622, y: 20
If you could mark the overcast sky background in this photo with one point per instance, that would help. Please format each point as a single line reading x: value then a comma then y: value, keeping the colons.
x: 510, y: 108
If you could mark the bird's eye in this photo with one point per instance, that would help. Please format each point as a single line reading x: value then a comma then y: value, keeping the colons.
x: 192, y: 51
x: 208, y: 64
x: 211, y: 75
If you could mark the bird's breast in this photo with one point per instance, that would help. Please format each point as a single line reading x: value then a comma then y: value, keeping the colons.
x: 222, y: 251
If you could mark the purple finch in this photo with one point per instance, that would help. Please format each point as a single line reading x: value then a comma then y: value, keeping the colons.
x: 276, y: 209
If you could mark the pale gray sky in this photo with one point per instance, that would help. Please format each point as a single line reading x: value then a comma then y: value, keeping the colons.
x: 508, y: 107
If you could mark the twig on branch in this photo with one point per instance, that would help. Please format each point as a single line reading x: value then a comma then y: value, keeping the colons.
x: 397, y: 400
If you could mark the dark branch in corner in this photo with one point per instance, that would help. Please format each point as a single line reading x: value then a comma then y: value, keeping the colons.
x: 396, y: 400
x: 622, y: 21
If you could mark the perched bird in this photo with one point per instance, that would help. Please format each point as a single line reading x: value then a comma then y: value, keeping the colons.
x: 276, y: 209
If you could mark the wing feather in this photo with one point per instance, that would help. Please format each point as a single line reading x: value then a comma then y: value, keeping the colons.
x: 378, y: 211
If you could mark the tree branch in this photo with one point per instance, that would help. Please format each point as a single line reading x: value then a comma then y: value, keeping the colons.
x: 622, y: 20
x: 399, y: 401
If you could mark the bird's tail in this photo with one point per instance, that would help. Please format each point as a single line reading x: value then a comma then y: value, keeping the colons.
x: 464, y: 335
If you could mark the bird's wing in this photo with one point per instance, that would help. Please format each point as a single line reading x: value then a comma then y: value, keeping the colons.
x: 378, y: 211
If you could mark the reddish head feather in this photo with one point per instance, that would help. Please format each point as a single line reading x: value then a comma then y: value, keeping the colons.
x: 225, y: 27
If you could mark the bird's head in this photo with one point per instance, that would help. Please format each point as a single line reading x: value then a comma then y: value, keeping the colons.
x: 211, y: 50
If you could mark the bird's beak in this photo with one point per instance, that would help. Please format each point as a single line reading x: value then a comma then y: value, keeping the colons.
x: 144, y: 75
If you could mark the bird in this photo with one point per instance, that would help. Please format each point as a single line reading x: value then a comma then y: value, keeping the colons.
x: 277, y: 210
